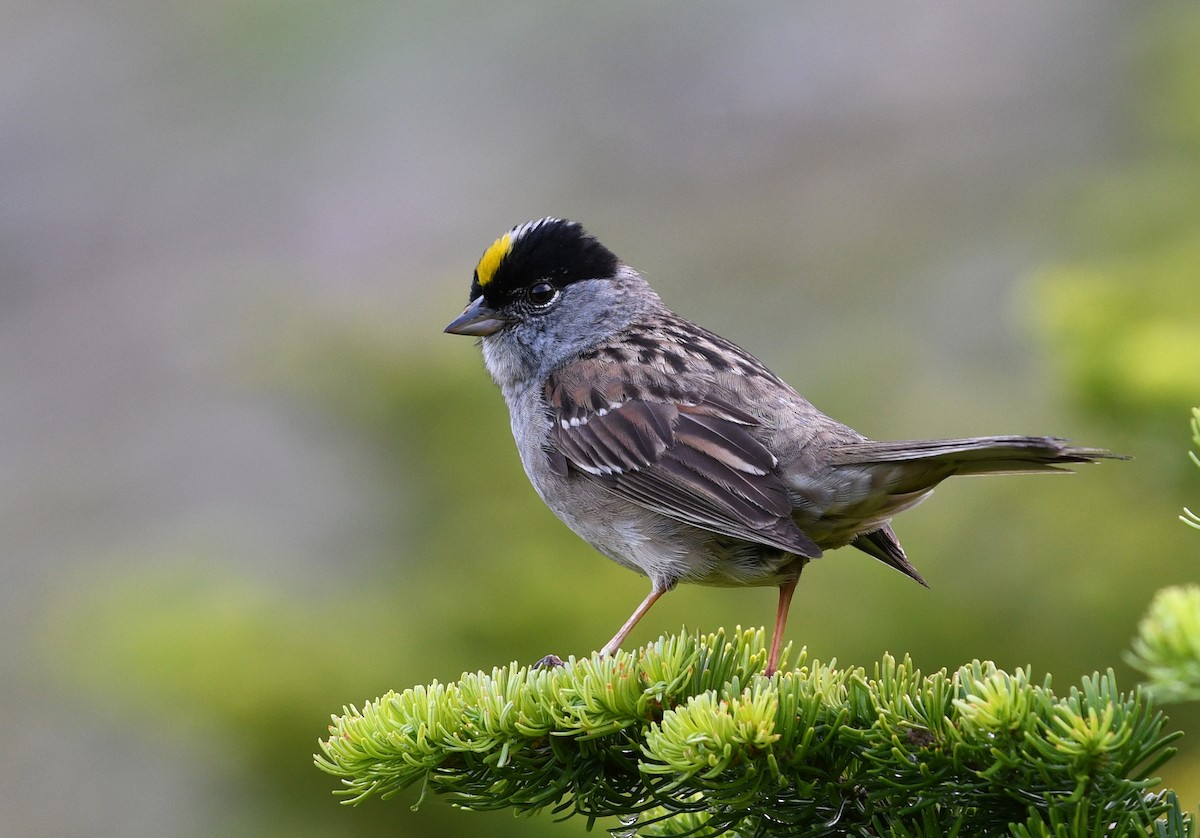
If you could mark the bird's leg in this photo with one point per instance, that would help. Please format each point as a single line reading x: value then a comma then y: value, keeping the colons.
x: 785, y: 601
x: 611, y: 646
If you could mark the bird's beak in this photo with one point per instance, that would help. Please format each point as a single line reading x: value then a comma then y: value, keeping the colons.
x: 478, y: 319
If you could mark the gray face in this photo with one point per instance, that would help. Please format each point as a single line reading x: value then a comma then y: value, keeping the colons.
x: 536, y: 338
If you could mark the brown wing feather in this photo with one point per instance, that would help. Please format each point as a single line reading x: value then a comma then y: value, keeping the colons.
x: 694, y: 461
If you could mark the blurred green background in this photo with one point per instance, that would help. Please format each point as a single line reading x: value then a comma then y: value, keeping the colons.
x: 245, y: 479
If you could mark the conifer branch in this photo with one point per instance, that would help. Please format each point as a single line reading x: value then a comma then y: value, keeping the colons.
x: 688, y: 737
x: 1167, y: 646
x: 1189, y: 517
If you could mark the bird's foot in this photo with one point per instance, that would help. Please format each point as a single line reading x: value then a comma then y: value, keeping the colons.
x: 549, y: 662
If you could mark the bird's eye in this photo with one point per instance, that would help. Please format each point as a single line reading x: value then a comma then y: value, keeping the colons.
x: 542, y: 293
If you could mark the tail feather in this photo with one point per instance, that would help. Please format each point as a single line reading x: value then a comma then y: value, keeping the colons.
x: 903, y: 472
x: 883, y: 545
x: 977, y: 455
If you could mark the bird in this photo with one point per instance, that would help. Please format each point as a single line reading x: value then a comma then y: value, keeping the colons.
x: 675, y: 452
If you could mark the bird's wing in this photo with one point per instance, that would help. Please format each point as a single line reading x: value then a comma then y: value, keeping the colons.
x: 691, y: 459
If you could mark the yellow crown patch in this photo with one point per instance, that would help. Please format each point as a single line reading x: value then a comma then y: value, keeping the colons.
x: 492, y: 257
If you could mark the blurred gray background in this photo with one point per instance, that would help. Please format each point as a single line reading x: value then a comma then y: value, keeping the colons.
x: 230, y: 236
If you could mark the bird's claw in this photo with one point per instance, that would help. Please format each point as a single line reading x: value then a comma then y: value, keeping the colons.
x: 549, y: 662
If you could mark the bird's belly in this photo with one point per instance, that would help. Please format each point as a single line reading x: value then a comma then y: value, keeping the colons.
x: 667, y: 551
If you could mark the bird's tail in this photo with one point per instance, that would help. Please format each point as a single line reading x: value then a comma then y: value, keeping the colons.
x: 903, y: 473
x: 977, y: 455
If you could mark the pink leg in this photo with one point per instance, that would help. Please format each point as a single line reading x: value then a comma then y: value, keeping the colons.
x: 615, y: 643
x: 785, y: 601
